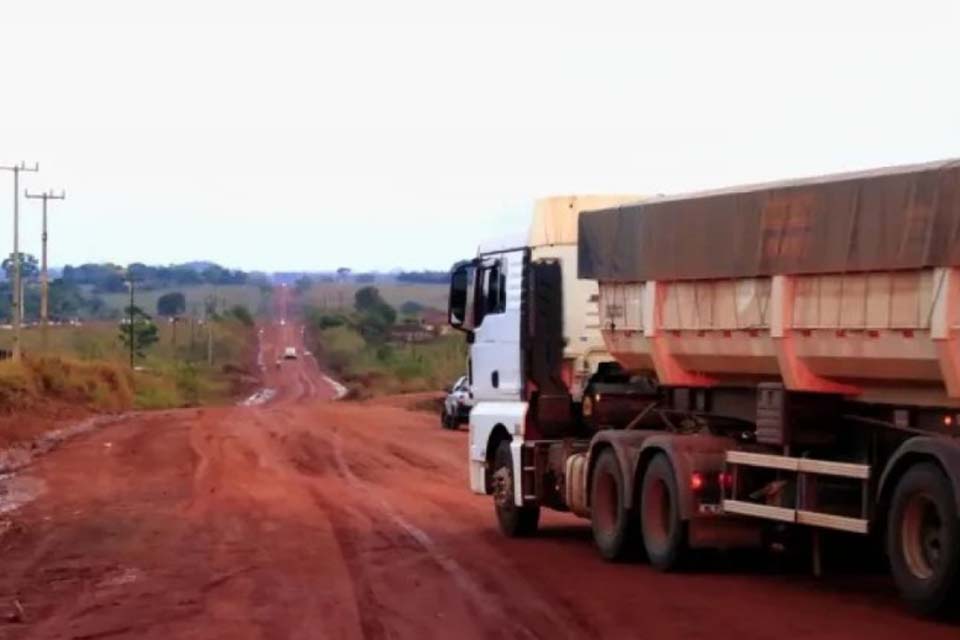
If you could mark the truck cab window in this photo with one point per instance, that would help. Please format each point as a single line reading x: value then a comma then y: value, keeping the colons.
x: 491, y: 291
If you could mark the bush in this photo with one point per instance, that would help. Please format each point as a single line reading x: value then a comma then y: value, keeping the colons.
x: 341, y: 346
x: 411, y: 308
x: 242, y: 315
x: 188, y: 382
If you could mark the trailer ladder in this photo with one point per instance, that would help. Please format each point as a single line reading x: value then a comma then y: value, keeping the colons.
x: 804, y: 472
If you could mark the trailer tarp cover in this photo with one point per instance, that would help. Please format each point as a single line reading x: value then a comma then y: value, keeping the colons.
x: 887, y: 219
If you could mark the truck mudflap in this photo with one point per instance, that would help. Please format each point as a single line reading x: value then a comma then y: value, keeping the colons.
x: 716, y: 531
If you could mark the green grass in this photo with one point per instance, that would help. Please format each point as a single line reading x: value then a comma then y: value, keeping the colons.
x: 247, y: 295
x: 331, y: 295
x: 371, y: 369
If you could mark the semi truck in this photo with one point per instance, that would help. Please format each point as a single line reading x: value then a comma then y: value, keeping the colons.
x: 714, y: 370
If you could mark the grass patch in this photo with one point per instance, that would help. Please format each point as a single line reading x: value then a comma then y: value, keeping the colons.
x: 375, y: 369
x: 100, y: 386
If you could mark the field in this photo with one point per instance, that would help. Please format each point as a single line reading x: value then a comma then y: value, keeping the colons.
x: 173, y: 373
x: 332, y: 295
x: 247, y: 295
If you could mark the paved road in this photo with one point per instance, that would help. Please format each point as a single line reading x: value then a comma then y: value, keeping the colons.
x: 306, y: 518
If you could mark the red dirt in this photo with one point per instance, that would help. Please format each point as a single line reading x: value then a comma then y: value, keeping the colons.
x: 20, y: 426
x: 305, y: 518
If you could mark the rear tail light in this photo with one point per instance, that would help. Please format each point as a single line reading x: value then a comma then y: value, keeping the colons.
x: 696, y: 481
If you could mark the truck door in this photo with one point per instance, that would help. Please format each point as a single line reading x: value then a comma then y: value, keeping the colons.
x: 495, y: 352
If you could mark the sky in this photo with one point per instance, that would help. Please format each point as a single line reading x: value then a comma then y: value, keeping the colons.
x: 288, y: 135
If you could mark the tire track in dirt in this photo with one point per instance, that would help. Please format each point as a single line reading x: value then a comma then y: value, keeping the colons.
x: 489, y: 604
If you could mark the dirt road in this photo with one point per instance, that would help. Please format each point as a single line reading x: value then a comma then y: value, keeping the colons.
x: 306, y: 518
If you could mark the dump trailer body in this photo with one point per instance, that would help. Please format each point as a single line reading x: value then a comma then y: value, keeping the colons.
x: 843, y: 284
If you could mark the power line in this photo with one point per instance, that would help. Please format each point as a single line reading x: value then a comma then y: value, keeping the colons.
x: 16, y: 308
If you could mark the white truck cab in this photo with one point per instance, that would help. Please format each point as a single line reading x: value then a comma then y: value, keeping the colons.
x: 492, y: 298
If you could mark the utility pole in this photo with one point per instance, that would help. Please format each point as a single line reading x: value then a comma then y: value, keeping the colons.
x: 15, y: 310
x: 133, y: 347
x: 44, y: 279
x: 209, y: 342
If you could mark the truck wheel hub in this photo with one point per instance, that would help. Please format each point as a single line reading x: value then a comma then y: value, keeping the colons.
x: 921, y: 534
x: 503, y: 487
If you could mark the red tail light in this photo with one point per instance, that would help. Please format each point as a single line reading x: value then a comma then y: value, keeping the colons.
x: 696, y: 481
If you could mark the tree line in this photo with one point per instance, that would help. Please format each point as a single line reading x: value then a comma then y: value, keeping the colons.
x: 112, y: 278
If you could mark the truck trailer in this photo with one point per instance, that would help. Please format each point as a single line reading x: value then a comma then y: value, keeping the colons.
x: 710, y: 370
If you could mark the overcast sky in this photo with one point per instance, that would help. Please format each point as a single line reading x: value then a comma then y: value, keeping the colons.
x: 310, y: 135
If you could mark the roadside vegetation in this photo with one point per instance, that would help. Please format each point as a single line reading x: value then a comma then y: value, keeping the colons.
x: 193, y: 338
x: 186, y: 363
x: 374, y: 349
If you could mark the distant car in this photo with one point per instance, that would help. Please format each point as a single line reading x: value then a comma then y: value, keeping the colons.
x: 290, y: 353
x: 457, y: 405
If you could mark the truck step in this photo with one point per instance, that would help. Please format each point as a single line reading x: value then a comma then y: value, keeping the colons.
x: 810, y: 518
x: 800, y: 465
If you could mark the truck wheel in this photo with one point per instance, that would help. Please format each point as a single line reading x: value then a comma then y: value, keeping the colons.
x: 923, y: 540
x: 515, y: 522
x: 664, y: 533
x: 615, y: 527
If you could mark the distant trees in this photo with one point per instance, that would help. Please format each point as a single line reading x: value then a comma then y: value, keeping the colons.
x: 424, y: 277
x: 109, y: 278
x: 303, y: 284
x: 104, y: 278
x: 171, y: 304
x: 28, y: 266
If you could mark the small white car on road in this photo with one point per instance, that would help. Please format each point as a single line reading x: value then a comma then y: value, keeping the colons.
x: 457, y: 405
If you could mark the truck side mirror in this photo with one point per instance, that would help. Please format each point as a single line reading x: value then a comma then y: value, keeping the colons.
x: 459, y: 296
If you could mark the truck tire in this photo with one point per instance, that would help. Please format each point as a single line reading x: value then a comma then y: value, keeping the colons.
x: 664, y: 533
x: 923, y: 541
x: 515, y: 522
x: 615, y: 527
